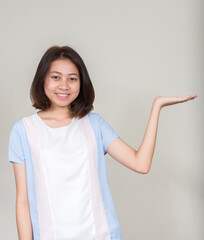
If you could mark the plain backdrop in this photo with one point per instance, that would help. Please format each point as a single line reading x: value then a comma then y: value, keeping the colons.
x: 134, y: 51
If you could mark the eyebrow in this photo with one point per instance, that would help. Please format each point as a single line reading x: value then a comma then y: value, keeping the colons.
x: 67, y: 74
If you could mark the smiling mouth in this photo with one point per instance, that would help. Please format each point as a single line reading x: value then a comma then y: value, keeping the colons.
x: 62, y: 96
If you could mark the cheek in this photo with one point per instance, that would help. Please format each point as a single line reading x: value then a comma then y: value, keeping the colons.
x: 78, y: 87
x: 48, y: 86
x: 75, y: 87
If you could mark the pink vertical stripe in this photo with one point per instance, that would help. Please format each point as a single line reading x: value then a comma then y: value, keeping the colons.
x: 101, y: 225
x: 43, y: 204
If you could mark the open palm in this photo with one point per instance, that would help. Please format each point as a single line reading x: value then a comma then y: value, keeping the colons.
x: 165, y: 101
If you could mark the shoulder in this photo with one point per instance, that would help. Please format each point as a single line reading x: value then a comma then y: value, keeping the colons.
x: 18, y: 125
x: 95, y: 117
x: 17, y: 130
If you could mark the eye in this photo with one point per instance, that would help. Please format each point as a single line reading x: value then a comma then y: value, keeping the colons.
x: 55, y: 77
x: 73, y: 79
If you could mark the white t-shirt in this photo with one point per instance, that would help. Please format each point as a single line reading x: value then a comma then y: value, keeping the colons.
x: 67, y: 177
x: 65, y: 156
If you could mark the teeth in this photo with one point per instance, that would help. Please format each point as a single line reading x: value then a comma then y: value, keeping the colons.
x: 64, y: 95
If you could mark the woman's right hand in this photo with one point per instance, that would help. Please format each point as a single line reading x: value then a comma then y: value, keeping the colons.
x: 23, y: 218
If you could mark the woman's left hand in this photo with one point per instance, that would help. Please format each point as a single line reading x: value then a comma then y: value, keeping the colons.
x: 165, y: 101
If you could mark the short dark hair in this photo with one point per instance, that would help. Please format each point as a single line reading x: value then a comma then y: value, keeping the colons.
x: 83, y: 104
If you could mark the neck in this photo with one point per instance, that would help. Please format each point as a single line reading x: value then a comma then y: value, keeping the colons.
x: 57, y: 113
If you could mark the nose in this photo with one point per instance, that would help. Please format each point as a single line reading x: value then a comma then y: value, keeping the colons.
x: 64, y: 84
x: 63, y: 88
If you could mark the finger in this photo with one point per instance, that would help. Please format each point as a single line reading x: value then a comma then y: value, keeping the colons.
x: 192, y: 96
x: 185, y: 99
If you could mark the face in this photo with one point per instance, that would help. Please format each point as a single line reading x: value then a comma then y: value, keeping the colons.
x: 62, y: 83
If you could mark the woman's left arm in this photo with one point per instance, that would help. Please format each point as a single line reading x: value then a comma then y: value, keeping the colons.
x: 140, y: 160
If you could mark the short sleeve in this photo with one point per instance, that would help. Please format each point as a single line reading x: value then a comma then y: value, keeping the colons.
x: 15, y: 150
x: 108, y: 134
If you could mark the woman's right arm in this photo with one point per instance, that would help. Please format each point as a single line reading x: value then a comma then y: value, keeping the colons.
x: 23, y: 219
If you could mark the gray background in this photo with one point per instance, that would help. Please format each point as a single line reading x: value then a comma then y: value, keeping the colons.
x: 134, y: 51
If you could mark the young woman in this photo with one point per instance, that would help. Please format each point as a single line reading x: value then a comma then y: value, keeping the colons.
x: 58, y: 155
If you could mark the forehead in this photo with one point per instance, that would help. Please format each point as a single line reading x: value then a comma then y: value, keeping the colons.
x: 64, y: 66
